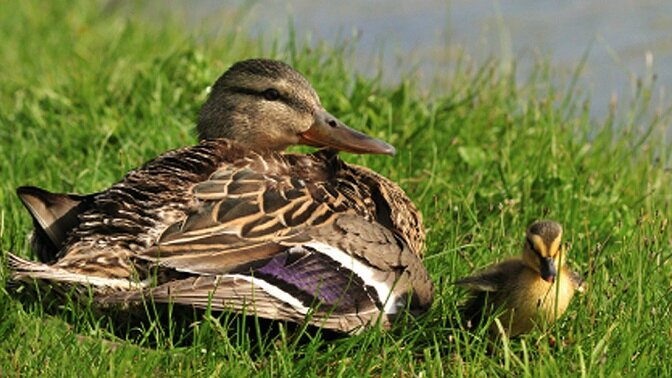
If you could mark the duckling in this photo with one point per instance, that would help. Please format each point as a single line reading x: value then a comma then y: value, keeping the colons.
x: 529, y: 290
x: 233, y: 223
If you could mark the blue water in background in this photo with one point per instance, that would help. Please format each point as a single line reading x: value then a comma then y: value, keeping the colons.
x: 629, y: 40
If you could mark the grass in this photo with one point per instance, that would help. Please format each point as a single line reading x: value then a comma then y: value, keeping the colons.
x: 87, y: 94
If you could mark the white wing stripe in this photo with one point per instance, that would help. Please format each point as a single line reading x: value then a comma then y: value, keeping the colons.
x: 274, y: 291
x: 365, y: 272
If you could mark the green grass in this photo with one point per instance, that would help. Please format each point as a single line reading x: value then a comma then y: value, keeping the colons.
x: 87, y: 94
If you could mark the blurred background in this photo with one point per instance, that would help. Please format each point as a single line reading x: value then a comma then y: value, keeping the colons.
x: 623, y: 43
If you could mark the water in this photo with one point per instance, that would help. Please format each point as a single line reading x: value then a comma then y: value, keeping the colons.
x: 629, y: 39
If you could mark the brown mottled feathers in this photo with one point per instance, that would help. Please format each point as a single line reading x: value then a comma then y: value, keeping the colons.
x: 393, y: 208
x: 245, y: 201
x: 218, y: 208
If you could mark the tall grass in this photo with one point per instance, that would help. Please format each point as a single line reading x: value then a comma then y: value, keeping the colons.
x: 87, y: 93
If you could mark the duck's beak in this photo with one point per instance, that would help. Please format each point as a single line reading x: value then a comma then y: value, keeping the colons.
x: 329, y: 131
x: 548, y: 271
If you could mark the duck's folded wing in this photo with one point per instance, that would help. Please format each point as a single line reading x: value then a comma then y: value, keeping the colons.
x: 311, y: 281
x: 294, y: 241
x: 253, y: 295
x: 350, y: 268
x: 291, y: 285
x: 241, y: 216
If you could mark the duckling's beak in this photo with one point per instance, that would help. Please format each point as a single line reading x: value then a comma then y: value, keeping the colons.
x: 548, y: 271
x: 329, y: 131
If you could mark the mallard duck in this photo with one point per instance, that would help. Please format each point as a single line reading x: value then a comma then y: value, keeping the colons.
x: 525, y: 290
x: 233, y: 223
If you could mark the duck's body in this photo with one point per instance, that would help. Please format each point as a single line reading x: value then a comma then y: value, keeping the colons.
x: 227, y: 226
x: 525, y: 291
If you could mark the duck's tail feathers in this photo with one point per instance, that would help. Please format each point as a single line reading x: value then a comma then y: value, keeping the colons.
x: 21, y: 268
x: 29, y: 271
x: 54, y: 216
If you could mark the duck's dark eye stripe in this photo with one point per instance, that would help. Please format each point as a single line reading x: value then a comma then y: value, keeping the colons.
x: 270, y: 94
x: 265, y: 93
x: 531, y: 245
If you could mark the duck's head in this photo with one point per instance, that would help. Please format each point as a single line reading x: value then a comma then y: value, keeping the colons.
x: 543, y: 248
x: 267, y: 105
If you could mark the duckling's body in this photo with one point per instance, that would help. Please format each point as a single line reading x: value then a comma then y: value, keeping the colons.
x: 517, y: 288
x: 232, y: 224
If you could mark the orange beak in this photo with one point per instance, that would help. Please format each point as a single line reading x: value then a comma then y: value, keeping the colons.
x: 329, y: 131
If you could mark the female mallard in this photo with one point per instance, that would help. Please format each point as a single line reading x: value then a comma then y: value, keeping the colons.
x: 231, y: 223
x: 528, y: 290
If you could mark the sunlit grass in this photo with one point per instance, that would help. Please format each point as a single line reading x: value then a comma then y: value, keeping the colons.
x: 87, y: 94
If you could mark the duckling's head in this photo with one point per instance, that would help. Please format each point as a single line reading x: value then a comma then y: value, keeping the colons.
x: 543, y: 248
x: 267, y: 105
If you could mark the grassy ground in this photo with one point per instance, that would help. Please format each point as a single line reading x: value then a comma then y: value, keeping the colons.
x: 86, y: 95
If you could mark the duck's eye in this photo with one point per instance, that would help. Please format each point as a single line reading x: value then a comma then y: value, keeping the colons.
x: 271, y: 94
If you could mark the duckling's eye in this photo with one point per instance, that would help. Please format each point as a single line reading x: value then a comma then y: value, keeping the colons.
x: 271, y: 94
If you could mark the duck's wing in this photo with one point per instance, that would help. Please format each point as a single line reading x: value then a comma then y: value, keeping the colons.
x: 391, y: 205
x: 347, y: 274
x: 249, y: 295
x: 241, y: 216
